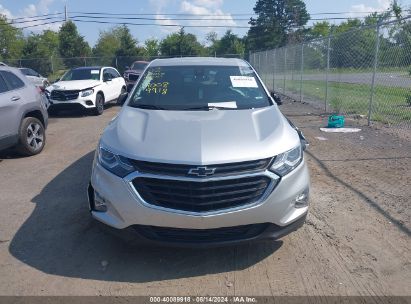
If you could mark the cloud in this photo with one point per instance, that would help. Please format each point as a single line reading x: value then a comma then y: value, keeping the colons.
x: 382, y: 5
x: 213, y: 10
x: 196, y: 9
x: 40, y: 8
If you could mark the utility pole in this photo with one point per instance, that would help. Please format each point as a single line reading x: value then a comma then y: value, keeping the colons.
x: 65, y: 13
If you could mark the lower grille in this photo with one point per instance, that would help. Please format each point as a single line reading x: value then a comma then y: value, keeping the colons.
x: 202, y: 196
x: 64, y: 95
x: 225, y: 234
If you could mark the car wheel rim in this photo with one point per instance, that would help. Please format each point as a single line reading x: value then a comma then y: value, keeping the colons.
x: 100, y: 104
x: 35, y: 136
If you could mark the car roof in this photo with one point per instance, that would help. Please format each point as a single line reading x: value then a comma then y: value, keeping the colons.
x: 206, y: 61
x: 89, y: 68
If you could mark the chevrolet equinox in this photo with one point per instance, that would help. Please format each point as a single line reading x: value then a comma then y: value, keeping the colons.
x: 200, y: 155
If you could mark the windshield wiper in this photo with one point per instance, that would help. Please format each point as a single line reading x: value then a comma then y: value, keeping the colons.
x: 147, y: 106
x: 208, y: 108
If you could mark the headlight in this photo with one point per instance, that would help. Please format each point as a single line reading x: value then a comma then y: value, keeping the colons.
x: 116, y: 164
x: 86, y: 93
x: 286, y: 162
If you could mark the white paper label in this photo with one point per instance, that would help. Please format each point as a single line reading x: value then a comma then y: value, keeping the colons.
x: 95, y: 72
x: 227, y: 104
x: 243, y: 82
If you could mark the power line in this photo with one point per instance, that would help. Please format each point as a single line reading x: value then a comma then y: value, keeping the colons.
x: 165, y: 25
x: 38, y: 16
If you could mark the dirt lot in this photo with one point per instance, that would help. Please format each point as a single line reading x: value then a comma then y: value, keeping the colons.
x: 356, y: 240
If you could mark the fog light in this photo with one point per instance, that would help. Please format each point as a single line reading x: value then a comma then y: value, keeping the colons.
x: 89, y: 103
x: 302, y: 199
x: 99, y: 203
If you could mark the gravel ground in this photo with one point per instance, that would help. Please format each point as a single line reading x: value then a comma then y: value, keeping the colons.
x: 356, y: 240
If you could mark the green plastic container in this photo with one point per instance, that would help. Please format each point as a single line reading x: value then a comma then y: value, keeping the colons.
x: 336, y: 121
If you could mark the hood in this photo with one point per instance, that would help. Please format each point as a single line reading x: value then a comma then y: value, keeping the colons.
x: 137, y: 72
x: 200, y: 137
x: 73, y: 85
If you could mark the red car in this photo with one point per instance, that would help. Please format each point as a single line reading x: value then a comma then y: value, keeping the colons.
x: 132, y: 73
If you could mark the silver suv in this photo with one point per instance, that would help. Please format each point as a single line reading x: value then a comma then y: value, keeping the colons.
x: 200, y: 154
x: 23, y: 113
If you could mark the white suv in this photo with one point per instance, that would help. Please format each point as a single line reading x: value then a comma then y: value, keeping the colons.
x: 87, y: 88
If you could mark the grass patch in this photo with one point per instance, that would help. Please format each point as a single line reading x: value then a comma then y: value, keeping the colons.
x: 390, y: 103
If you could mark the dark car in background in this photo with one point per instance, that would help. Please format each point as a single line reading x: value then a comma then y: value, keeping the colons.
x: 133, y: 72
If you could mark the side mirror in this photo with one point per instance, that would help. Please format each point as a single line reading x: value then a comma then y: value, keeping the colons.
x: 127, y: 67
x: 303, y: 140
x: 276, y: 98
x: 57, y: 80
x: 107, y: 78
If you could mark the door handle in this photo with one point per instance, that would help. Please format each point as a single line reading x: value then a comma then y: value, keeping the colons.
x: 15, y: 98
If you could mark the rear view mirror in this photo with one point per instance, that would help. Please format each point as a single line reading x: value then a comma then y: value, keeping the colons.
x: 276, y: 98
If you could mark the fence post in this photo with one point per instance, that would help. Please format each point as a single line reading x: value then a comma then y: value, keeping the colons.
x: 274, y: 69
x: 301, y: 72
x: 327, y: 71
x: 377, y: 48
x: 52, y: 65
x: 285, y: 67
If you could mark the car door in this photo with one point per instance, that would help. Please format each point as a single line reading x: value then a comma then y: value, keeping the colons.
x: 108, y: 85
x: 10, y: 101
x: 118, y: 82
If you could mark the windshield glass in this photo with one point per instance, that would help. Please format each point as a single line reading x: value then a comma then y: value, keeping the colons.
x: 82, y: 74
x: 199, y: 88
x: 25, y: 71
x: 139, y: 66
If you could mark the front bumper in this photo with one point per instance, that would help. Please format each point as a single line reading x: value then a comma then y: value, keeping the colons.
x: 126, y: 209
x: 81, y: 102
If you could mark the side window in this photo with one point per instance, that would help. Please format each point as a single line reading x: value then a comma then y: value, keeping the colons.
x: 13, y: 81
x: 106, y: 74
x: 114, y: 73
x: 3, y: 85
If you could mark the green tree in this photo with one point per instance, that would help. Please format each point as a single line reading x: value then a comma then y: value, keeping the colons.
x: 128, y: 50
x: 276, y: 22
x: 11, y: 40
x: 72, y: 45
x: 230, y: 44
x: 41, y: 48
x: 152, y: 48
x: 181, y: 44
x: 107, y: 44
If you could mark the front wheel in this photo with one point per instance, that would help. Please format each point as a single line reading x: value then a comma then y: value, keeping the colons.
x: 32, y: 137
x: 99, y: 105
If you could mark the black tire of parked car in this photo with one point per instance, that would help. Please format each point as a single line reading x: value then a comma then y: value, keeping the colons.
x: 122, y: 98
x: 99, y: 104
x: 26, y: 146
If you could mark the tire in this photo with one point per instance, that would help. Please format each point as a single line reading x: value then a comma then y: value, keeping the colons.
x: 121, y: 98
x: 32, y: 137
x: 99, y: 109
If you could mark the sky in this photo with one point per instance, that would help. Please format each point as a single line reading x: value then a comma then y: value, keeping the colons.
x: 161, y: 10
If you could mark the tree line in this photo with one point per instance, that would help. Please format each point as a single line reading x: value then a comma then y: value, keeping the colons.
x: 277, y: 23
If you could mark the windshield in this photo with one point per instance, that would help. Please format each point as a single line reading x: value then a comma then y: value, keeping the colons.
x: 199, y: 88
x: 25, y: 72
x: 82, y: 74
x: 139, y: 65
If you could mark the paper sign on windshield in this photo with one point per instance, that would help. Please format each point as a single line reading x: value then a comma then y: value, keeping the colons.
x: 243, y: 82
x: 95, y: 72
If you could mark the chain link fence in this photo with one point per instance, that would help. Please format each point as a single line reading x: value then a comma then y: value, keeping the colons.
x: 365, y: 72
x: 55, y: 67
